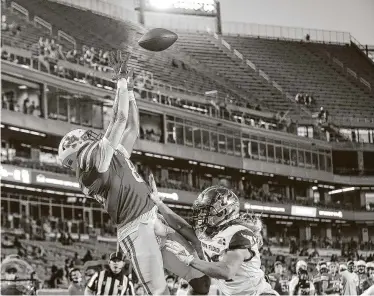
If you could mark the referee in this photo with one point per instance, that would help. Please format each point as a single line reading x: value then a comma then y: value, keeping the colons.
x: 112, y: 281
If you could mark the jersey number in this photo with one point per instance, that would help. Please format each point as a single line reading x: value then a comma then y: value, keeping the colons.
x: 135, y: 174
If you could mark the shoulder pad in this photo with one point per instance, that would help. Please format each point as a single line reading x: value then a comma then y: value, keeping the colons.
x: 242, y: 239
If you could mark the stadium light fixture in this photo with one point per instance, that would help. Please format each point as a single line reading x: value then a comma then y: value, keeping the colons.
x: 342, y: 190
x: 162, y: 4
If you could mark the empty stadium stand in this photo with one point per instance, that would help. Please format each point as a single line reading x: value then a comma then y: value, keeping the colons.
x: 202, y: 47
x: 294, y: 66
x: 105, y: 33
x: 298, y: 68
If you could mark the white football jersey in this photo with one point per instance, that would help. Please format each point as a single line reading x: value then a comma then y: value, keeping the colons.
x: 249, y: 280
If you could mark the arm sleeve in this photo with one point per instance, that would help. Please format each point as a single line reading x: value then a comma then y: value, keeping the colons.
x: 92, y: 283
x: 105, y: 155
x: 96, y: 155
x: 243, y: 239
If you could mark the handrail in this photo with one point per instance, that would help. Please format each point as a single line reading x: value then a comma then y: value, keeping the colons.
x: 238, y: 54
x: 260, y: 72
x: 20, y: 9
x: 360, y: 46
x: 43, y: 23
x: 63, y: 35
x: 363, y: 81
x: 351, y: 72
x: 338, y: 62
x: 348, y: 70
x: 283, y: 32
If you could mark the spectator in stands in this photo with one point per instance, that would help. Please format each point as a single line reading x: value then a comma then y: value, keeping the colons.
x: 87, y: 256
x: 321, y: 115
x: 56, y: 277
x: 37, y: 111
x: 68, y: 265
x: 72, y: 56
x: 76, y: 261
x: 25, y: 105
x: 5, y: 55
x: 170, y: 280
x: 76, y: 286
x: 31, y: 108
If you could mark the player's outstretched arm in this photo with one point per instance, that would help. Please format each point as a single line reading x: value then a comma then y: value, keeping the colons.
x: 224, y: 269
x: 131, y: 133
x: 117, y: 125
x: 174, y: 220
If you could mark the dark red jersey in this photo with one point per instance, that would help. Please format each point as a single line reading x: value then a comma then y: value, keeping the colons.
x: 120, y: 189
x: 280, y: 283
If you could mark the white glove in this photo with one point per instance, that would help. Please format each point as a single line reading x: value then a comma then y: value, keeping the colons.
x: 162, y: 229
x: 154, y: 193
x: 179, y: 251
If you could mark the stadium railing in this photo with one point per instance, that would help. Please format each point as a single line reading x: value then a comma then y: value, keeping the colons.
x: 289, y: 33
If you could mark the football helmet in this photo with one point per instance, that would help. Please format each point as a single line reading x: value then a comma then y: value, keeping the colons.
x: 302, y: 270
x: 370, y: 269
x: 215, y: 207
x: 70, y: 145
x: 17, y: 277
x: 350, y: 266
x: 322, y: 267
x: 301, y: 264
x: 333, y: 267
x: 361, y: 266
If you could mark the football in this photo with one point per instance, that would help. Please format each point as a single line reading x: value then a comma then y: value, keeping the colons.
x: 158, y: 39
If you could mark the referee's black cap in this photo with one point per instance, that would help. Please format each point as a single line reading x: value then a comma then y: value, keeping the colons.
x: 117, y: 256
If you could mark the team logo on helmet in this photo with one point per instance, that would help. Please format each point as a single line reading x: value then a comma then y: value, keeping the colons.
x: 71, y: 141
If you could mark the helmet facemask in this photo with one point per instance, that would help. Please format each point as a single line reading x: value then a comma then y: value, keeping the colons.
x: 361, y: 269
x: 215, y: 207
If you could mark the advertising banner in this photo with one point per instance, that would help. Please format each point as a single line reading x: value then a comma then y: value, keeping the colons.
x: 15, y: 174
x: 21, y: 175
x: 310, y: 212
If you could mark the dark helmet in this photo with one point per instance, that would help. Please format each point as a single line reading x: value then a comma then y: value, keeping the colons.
x: 322, y: 267
x: 351, y: 266
x: 214, y: 207
x: 302, y: 270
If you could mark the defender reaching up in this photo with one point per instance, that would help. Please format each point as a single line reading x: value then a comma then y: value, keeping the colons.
x: 105, y: 173
x: 230, y: 244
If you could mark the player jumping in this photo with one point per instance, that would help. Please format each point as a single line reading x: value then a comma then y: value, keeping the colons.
x: 230, y: 244
x: 105, y: 173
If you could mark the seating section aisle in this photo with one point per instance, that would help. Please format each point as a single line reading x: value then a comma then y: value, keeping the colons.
x: 298, y: 69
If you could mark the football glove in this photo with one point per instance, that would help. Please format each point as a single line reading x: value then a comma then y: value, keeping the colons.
x: 179, y: 251
x: 118, y: 61
x: 154, y: 192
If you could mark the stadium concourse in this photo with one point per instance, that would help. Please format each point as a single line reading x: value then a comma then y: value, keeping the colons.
x: 286, y: 124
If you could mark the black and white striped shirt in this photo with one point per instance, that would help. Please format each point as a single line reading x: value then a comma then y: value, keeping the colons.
x: 106, y: 282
